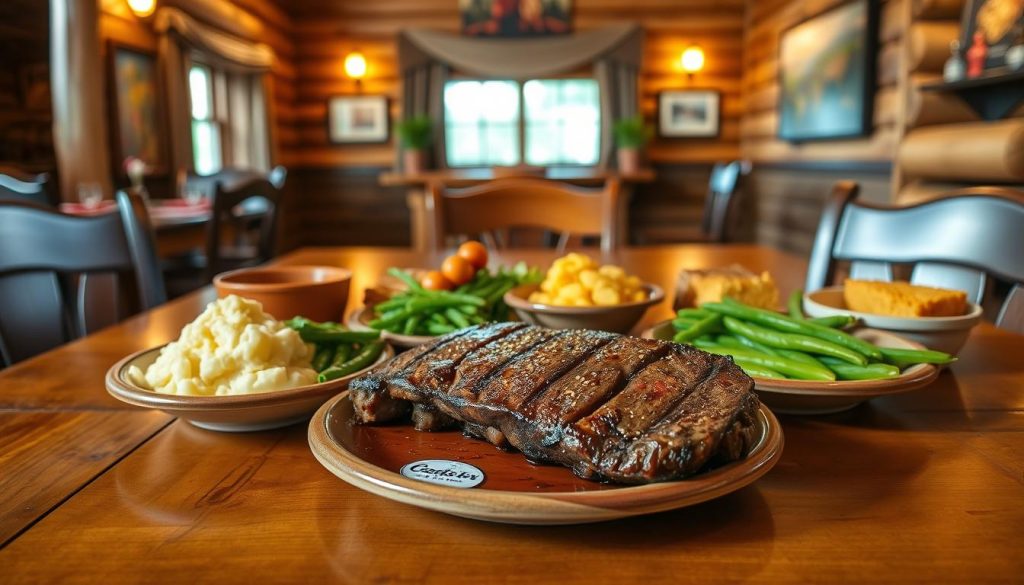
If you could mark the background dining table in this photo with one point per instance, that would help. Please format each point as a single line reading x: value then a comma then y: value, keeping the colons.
x: 926, y: 486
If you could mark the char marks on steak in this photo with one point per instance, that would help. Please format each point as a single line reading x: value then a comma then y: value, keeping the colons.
x: 608, y: 406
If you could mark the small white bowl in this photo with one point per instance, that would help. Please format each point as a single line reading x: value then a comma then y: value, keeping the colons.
x: 615, y: 318
x: 946, y: 334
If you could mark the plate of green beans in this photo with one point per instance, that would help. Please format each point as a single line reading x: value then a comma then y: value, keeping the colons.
x: 415, y: 315
x: 340, y: 353
x: 801, y: 365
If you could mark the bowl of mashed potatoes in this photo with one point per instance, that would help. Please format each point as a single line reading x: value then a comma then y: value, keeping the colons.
x: 234, y: 368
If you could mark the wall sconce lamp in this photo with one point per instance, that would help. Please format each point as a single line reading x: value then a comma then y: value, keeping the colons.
x: 142, y: 8
x: 692, y: 60
x: 355, y: 66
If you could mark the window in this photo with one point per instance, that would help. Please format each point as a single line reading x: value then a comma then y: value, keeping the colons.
x: 207, y: 155
x: 541, y: 122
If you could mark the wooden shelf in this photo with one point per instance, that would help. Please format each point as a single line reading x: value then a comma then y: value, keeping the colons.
x: 992, y: 96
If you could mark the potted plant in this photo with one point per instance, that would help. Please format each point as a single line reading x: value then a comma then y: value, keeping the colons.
x: 415, y: 134
x: 630, y: 136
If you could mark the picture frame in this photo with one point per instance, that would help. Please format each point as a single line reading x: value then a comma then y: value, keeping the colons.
x: 515, y: 18
x: 358, y: 119
x: 136, y: 108
x: 827, y: 74
x: 1001, y: 24
x: 689, y: 113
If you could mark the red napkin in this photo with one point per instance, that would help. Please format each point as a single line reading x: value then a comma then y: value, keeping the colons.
x: 75, y: 208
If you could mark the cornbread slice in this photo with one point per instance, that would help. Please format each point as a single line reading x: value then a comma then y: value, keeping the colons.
x: 755, y: 290
x: 902, y: 299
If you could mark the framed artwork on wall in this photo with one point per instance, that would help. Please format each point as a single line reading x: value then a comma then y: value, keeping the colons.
x: 690, y: 113
x: 357, y: 119
x: 515, y: 18
x: 827, y: 74
x: 996, y: 27
x: 136, y: 117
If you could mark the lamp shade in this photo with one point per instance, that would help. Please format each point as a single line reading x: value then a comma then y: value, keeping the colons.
x: 355, y: 65
x: 692, y: 59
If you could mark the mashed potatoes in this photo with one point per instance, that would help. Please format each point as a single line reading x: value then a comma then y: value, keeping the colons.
x: 232, y: 348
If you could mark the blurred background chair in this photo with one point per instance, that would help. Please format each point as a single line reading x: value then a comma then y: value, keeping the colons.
x: 63, y: 276
x: 719, y: 216
x: 229, y: 205
x: 962, y: 240
x: 524, y: 202
x: 18, y: 185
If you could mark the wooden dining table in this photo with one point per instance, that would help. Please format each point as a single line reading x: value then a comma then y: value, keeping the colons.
x: 921, y: 487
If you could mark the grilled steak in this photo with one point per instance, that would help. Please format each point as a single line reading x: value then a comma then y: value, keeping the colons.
x: 608, y: 406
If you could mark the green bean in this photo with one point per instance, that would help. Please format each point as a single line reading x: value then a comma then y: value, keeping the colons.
x: 750, y: 344
x: 406, y: 278
x: 875, y: 371
x: 322, y: 357
x: 834, y: 321
x: 342, y: 353
x: 456, y: 317
x: 903, y: 358
x: 795, y: 304
x: 753, y: 369
x: 396, y: 302
x: 684, y: 323
x: 365, y: 358
x: 438, y: 319
x: 799, y: 356
x: 436, y: 329
x: 411, y: 324
x: 481, y: 279
x: 318, y: 335
x: 790, y: 325
x: 692, y: 313
x: 702, y: 327
x: 795, y: 341
x: 440, y: 302
x: 788, y: 367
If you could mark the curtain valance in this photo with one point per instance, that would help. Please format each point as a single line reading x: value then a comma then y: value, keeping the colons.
x: 520, y: 58
x: 229, y: 50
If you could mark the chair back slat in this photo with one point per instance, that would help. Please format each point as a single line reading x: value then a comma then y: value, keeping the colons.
x: 60, y: 276
x: 970, y: 280
x: 721, y: 198
x: 139, y: 233
x: 525, y: 202
x: 20, y: 186
x: 34, y: 317
x: 97, y: 302
x: 868, y: 270
x: 979, y: 231
x: 250, y: 193
x: 1011, y: 316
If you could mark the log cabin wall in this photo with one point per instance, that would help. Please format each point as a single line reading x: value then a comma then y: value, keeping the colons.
x: 339, y: 184
x: 790, y: 182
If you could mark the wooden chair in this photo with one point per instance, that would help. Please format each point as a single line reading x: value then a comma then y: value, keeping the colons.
x: 957, y: 241
x: 18, y: 185
x: 721, y: 199
x: 62, y: 276
x: 259, y: 199
x: 524, y: 202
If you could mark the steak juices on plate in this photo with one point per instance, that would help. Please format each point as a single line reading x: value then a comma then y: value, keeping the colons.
x: 608, y: 406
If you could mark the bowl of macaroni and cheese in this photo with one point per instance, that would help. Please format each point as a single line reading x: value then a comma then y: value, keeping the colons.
x: 234, y: 368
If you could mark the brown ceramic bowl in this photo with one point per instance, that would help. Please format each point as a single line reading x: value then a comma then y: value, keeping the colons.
x: 236, y: 413
x: 617, y: 318
x: 319, y: 293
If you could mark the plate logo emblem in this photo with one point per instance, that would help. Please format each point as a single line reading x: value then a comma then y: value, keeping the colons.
x: 444, y: 472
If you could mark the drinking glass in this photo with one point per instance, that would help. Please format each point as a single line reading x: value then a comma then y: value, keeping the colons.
x: 90, y: 194
x: 193, y: 195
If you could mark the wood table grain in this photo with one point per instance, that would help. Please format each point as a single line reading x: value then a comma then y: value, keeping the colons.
x: 922, y: 487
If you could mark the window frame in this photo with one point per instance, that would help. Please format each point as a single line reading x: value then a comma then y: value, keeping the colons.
x: 217, y: 89
x: 522, y: 122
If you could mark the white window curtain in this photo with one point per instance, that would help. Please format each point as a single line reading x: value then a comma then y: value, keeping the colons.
x: 243, y: 68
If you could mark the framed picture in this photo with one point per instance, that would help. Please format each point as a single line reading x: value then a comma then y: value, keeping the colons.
x: 357, y: 119
x: 515, y: 18
x: 827, y: 74
x: 136, y: 116
x: 691, y: 113
x: 998, y: 25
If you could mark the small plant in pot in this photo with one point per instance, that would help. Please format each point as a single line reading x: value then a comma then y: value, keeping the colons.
x: 631, y: 134
x: 415, y: 135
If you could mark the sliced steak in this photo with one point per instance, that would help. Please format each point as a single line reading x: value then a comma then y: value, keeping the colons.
x: 607, y: 406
